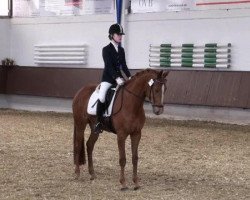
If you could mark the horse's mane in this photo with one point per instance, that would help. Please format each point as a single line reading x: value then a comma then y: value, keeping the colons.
x: 146, y: 71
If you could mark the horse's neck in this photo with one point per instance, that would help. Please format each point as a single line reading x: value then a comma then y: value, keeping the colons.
x: 132, y: 98
x: 138, y: 89
x: 140, y: 84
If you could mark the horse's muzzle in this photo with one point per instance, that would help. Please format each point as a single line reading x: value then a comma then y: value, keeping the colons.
x: 157, y: 109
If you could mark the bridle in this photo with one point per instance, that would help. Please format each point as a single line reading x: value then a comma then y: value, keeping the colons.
x: 152, y: 94
x: 151, y: 84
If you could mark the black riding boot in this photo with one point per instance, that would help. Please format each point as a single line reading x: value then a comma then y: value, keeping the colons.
x: 99, y: 112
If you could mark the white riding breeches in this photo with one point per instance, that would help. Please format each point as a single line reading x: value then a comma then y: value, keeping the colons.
x: 103, y: 91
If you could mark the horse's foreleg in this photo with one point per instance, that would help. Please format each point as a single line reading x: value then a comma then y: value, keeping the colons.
x: 90, y: 147
x: 122, y: 160
x: 135, y: 139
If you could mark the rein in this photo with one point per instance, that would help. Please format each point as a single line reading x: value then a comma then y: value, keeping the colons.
x: 151, y: 92
x: 136, y: 95
x: 123, y: 88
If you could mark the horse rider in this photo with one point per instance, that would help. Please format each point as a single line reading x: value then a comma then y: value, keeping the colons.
x: 114, y: 61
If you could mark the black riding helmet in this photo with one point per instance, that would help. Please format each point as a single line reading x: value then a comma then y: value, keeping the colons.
x: 115, y: 28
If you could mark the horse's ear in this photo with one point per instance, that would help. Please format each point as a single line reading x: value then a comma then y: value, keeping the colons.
x: 164, y: 75
x: 160, y: 74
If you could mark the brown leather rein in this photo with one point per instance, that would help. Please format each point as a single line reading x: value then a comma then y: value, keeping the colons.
x: 150, y: 94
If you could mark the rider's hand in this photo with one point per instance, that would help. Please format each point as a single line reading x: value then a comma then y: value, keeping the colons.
x: 120, y: 81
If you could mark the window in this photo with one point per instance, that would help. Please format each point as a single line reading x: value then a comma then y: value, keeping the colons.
x: 4, y: 7
x: 41, y: 8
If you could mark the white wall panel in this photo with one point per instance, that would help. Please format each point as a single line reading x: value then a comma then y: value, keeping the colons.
x: 198, y: 27
x: 4, y: 38
x: 89, y: 30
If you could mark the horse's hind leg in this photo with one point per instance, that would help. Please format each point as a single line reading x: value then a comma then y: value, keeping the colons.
x: 79, y: 147
x: 90, y: 147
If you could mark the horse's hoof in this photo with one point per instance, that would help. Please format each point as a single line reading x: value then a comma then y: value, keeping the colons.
x: 93, y: 177
x: 77, y: 176
x: 77, y: 173
x: 137, y: 187
x: 124, y: 188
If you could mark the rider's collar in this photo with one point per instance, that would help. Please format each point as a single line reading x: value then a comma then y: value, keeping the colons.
x: 115, y: 45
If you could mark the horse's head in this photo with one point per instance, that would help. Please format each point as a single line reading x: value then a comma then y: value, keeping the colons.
x: 156, y: 92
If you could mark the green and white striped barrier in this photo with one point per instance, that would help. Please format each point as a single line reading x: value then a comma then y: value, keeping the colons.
x: 188, y: 55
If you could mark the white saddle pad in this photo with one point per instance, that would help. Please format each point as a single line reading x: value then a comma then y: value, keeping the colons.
x: 93, y: 103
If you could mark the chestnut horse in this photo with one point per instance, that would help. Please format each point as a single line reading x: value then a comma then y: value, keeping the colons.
x: 128, y: 119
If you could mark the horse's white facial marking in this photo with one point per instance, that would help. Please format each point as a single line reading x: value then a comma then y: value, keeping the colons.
x: 162, y: 94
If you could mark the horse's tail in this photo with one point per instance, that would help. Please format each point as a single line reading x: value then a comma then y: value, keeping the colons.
x: 79, y: 107
x: 79, y: 147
